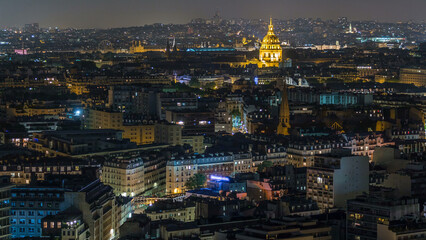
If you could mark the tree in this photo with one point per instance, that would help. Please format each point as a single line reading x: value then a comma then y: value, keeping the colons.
x: 196, y: 181
x: 263, y: 165
x: 194, y: 82
x: 235, y: 113
x: 210, y: 85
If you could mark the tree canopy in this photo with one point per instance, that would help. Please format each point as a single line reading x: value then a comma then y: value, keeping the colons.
x: 263, y: 165
x: 194, y: 82
x: 196, y: 181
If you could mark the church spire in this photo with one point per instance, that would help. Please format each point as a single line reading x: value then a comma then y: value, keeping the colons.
x: 271, y: 27
x: 174, y: 45
x: 284, y: 124
x: 168, y: 47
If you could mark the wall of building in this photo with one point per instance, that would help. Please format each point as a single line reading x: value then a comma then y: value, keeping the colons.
x: 168, y: 134
x: 125, y: 177
x: 351, y: 180
x: 413, y: 76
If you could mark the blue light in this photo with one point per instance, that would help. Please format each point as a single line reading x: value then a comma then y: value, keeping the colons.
x: 219, y: 178
x: 256, y: 80
x: 77, y: 113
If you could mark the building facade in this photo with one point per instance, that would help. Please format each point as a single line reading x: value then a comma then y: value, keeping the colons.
x: 196, y: 142
x: 335, y: 179
x: 101, y: 212
x: 124, y: 175
x: 5, y: 196
x: 30, y: 204
x: 21, y: 172
x: 66, y: 225
x: 103, y: 119
x: 194, y: 122
x: 365, y: 144
x: 180, y: 169
x: 364, y: 213
x: 413, y: 76
x: 167, y: 133
x: 162, y: 210
x: 108, y: 119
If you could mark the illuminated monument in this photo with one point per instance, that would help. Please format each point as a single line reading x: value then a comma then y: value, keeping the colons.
x: 284, y: 124
x: 138, y: 48
x: 270, y: 53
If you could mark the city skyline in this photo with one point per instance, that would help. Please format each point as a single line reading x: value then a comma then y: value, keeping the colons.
x: 196, y: 119
x: 112, y: 14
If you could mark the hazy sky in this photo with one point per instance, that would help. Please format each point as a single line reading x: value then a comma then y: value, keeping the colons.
x: 119, y: 13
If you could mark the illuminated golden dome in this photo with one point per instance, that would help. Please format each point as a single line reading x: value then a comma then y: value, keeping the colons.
x: 270, y: 53
x: 270, y: 37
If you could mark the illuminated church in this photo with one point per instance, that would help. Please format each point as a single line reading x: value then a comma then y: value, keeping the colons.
x: 270, y: 53
x: 284, y: 122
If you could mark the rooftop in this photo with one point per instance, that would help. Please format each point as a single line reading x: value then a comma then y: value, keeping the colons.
x: 168, y: 205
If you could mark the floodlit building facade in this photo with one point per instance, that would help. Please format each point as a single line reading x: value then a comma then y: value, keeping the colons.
x: 124, y: 175
x: 180, y: 169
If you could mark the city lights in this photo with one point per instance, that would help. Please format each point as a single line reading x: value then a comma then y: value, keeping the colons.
x: 175, y: 120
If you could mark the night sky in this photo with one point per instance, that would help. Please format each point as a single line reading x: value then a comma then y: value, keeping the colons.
x: 121, y: 13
